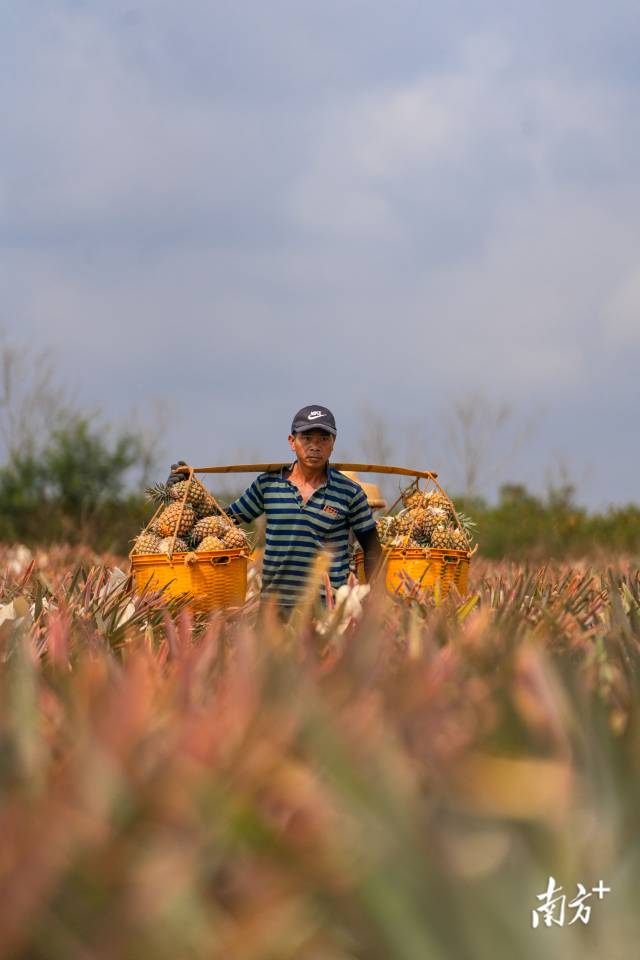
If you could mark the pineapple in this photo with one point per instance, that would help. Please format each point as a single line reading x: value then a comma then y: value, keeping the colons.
x: 165, y: 523
x: 427, y: 520
x: 432, y: 517
x: 210, y: 543
x: 404, y: 523
x: 441, y: 501
x: 213, y: 526
x: 422, y: 524
x: 146, y: 543
x: 198, y: 496
x: 414, y: 499
x: 235, y: 539
x: 459, y: 541
x: 441, y: 537
x: 179, y: 546
x: 386, y: 529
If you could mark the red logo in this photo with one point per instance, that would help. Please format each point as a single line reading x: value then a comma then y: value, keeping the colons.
x: 331, y: 511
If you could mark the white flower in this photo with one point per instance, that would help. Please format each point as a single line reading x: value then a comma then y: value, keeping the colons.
x: 16, y: 610
x: 18, y: 558
x: 348, y: 607
x: 7, y: 612
x: 116, y: 578
x: 125, y: 615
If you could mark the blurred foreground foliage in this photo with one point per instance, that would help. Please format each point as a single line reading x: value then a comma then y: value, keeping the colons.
x: 397, y: 787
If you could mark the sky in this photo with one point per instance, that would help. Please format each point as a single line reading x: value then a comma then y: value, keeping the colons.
x: 213, y: 213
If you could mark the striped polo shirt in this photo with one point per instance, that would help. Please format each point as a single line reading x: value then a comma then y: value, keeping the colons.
x: 297, y: 531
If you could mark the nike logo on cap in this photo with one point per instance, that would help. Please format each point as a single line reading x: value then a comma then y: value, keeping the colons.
x: 315, y: 414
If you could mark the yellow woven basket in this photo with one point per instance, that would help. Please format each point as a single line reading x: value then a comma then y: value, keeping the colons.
x: 424, y: 567
x: 215, y: 579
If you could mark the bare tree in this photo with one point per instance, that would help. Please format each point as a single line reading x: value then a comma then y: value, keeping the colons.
x: 481, y: 439
x: 376, y: 446
x: 375, y: 441
x: 151, y: 430
x: 32, y: 403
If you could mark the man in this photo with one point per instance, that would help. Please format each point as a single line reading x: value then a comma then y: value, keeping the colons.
x: 309, y: 507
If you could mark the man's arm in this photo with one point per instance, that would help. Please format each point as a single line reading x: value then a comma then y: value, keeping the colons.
x: 364, y: 527
x: 245, y: 508
x: 372, y: 550
x: 248, y: 505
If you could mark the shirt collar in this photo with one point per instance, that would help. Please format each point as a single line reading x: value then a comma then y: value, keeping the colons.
x: 286, y: 470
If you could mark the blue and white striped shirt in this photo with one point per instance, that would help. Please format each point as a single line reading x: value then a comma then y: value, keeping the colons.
x: 297, y: 531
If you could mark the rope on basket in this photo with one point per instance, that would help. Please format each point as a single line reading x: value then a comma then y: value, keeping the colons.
x: 413, y: 521
x: 145, y: 528
x: 191, y: 471
x: 182, y: 504
x: 457, y: 518
x: 223, y: 513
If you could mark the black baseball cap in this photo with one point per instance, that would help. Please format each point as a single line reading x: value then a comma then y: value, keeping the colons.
x: 314, y: 417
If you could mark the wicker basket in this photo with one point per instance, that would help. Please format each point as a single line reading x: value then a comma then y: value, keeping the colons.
x: 424, y: 567
x: 215, y: 579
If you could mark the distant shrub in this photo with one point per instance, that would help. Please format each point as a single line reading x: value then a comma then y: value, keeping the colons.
x: 522, y: 525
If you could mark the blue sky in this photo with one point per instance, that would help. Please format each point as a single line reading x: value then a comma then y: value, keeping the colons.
x: 244, y: 207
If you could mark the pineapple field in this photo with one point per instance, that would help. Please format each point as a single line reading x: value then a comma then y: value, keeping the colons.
x: 390, y: 779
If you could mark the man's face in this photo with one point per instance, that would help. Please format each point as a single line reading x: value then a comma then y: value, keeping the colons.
x: 312, y: 448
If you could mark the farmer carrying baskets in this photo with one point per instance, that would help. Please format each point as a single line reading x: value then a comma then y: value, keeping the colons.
x: 309, y: 507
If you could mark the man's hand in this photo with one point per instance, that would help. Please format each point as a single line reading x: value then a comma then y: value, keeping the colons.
x: 176, y: 474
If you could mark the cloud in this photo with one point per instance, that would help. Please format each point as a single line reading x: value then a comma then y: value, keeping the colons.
x: 622, y: 315
x: 249, y: 206
x: 99, y: 149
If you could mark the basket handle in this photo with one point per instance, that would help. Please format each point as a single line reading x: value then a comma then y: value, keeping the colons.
x: 413, y: 522
x: 146, y: 527
x: 216, y: 561
x: 190, y: 471
x: 453, y: 509
x: 182, y: 504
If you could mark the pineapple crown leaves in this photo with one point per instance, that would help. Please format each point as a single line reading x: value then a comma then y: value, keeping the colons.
x: 468, y: 526
x: 158, y: 493
x: 145, y: 532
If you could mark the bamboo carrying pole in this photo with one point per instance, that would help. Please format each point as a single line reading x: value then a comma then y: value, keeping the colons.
x: 359, y: 467
x: 278, y: 465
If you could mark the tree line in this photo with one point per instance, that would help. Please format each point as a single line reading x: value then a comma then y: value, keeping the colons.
x: 524, y: 526
x: 66, y: 476
x: 75, y: 489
